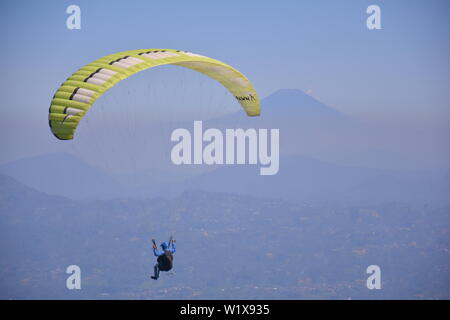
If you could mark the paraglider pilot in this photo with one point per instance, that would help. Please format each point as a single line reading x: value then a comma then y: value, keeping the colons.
x: 165, y: 257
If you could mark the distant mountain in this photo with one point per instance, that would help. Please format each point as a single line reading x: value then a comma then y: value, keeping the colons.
x: 305, y: 125
x: 294, y: 102
x: 15, y: 194
x: 62, y: 174
x: 287, y: 107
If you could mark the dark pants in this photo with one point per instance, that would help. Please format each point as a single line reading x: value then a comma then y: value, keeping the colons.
x: 156, y: 269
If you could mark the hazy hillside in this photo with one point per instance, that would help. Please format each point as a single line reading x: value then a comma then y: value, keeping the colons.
x: 300, y: 179
x: 307, y: 127
x: 229, y: 246
x: 304, y: 179
x: 62, y: 174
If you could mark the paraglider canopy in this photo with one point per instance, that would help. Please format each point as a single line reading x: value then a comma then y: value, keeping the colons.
x: 78, y: 93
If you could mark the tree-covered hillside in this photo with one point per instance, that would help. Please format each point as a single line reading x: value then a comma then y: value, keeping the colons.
x: 229, y: 246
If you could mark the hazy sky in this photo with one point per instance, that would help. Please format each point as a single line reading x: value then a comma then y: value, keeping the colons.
x: 322, y: 47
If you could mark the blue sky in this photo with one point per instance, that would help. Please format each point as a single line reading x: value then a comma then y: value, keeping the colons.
x: 323, y: 47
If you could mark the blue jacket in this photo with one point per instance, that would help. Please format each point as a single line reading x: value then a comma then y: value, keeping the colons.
x: 164, y: 247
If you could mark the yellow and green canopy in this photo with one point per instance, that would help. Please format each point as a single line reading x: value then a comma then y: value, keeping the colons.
x: 77, y: 94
